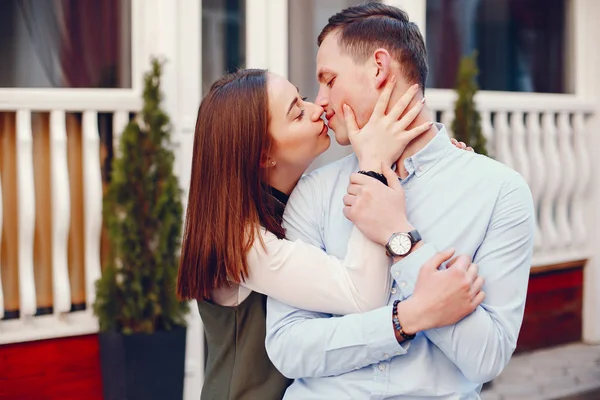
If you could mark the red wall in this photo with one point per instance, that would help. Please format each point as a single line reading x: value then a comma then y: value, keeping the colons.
x: 61, y: 369
x: 553, y: 309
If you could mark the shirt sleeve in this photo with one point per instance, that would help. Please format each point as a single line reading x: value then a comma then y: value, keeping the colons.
x: 481, y: 344
x: 304, y: 344
x: 304, y: 276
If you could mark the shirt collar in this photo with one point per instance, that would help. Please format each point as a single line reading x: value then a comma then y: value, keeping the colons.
x: 423, y: 160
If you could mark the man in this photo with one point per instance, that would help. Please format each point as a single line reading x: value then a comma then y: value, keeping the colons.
x: 453, y: 199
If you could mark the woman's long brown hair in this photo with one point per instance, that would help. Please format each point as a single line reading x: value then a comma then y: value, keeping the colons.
x: 226, y: 203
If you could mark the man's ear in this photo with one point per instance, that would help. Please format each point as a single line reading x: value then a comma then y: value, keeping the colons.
x: 381, y: 67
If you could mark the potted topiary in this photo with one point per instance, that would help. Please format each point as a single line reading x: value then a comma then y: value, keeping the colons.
x: 142, y: 326
x: 466, y: 125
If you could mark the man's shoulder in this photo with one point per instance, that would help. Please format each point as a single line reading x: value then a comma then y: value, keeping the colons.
x: 498, y: 176
x: 493, y: 171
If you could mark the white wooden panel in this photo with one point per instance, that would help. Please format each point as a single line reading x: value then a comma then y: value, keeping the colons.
x: 502, y: 132
x: 581, y: 154
x: 447, y: 118
x: 568, y: 177
x: 488, y: 132
x: 26, y: 196
x: 519, y: 145
x: 61, y: 212
x: 92, y: 193
x: 537, y: 168
x: 551, y: 158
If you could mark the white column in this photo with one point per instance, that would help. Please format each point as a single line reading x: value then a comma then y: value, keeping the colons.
x: 188, y: 91
x: 25, y: 184
x: 416, y: 10
x: 61, y: 212
x: 92, y: 195
x: 267, y: 35
x: 587, y: 87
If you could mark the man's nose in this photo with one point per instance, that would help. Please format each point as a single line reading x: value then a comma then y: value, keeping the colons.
x: 322, y: 98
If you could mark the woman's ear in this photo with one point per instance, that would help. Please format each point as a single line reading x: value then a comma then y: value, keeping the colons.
x: 381, y: 67
x: 266, y: 161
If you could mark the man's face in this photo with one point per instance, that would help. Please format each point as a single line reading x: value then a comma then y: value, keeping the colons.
x: 342, y: 80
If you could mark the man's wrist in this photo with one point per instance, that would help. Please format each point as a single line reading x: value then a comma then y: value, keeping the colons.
x: 408, y: 315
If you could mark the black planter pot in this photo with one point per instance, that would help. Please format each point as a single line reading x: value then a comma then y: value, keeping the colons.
x: 141, y: 366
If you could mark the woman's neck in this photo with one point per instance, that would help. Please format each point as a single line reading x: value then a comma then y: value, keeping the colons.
x: 284, y: 179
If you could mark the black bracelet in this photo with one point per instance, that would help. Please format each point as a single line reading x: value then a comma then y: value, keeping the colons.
x: 396, y: 322
x: 380, y: 177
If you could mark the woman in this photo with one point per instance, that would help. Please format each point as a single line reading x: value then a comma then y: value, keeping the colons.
x: 254, y: 139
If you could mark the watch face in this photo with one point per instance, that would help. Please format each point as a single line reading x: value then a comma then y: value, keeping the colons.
x: 400, y: 244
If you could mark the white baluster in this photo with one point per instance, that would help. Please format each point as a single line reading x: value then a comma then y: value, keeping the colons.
x: 120, y: 121
x: 1, y: 222
x: 61, y: 212
x: 537, y: 169
x: 26, y: 199
x: 92, y: 202
x: 553, y: 173
x: 503, y: 153
x: 447, y: 118
x: 568, y: 178
x: 488, y: 132
x: 519, y: 145
x: 580, y: 142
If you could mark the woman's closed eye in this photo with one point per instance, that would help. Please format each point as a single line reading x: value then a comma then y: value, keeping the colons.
x: 299, y: 117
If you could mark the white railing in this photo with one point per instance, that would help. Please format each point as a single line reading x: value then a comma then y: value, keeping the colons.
x: 62, y: 321
x: 543, y: 137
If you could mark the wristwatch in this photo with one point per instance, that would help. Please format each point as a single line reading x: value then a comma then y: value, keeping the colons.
x: 401, y: 243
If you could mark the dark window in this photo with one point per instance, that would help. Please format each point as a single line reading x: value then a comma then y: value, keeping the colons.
x: 65, y: 44
x: 521, y: 43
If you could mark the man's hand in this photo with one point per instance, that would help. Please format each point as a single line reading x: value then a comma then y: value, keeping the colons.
x: 377, y: 210
x: 442, y: 298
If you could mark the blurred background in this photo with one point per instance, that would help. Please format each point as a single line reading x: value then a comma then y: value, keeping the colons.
x: 71, y: 79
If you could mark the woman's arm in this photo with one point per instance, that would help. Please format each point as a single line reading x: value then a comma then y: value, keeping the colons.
x: 304, y: 276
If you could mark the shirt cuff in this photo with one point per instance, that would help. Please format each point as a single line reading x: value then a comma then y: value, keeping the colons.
x: 379, y: 329
x: 405, y: 271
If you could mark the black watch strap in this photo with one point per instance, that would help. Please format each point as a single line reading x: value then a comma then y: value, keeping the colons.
x: 380, y: 177
x: 415, y: 236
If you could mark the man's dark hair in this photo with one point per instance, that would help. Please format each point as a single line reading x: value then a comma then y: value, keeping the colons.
x: 364, y: 28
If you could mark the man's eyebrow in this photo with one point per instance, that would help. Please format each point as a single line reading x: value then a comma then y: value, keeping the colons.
x: 322, y: 73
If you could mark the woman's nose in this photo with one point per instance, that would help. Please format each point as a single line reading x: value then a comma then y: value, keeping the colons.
x: 317, y: 112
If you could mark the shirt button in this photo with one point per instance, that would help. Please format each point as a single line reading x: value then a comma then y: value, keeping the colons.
x: 396, y: 274
x: 421, y: 168
x: 393, y: 290
x: 382, y: 367
x: 386, y: 356
x: 403, y: 284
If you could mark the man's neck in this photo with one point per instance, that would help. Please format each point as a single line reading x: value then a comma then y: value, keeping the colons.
x: 420, y: 142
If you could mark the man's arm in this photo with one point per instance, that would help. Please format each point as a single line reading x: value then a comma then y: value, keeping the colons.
x: 307, y: 344
x: 482, y: 343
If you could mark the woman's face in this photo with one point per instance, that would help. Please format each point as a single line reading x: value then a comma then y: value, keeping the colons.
x: 298, y: 132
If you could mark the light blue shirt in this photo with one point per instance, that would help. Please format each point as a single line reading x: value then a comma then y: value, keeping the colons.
x: 455, y: 199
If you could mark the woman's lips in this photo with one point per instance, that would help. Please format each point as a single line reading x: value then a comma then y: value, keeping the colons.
x: 324, y: 130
